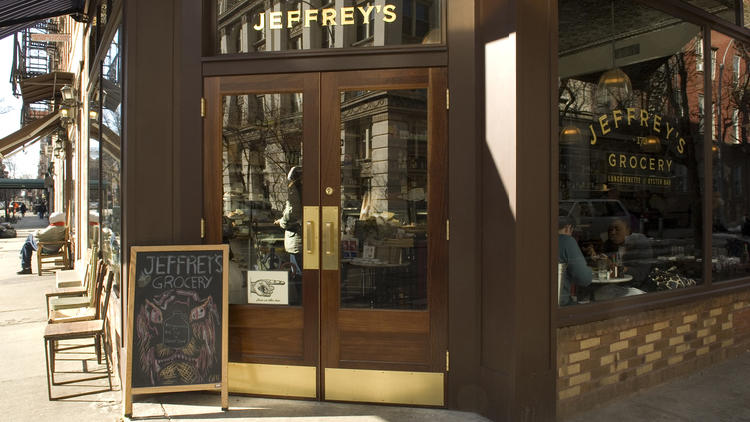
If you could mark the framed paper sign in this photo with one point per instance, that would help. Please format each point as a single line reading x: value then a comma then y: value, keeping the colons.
x: 177, y: 320
x: 268, y: 287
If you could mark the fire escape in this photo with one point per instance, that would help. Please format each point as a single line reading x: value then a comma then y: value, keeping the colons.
x: 40, y: 57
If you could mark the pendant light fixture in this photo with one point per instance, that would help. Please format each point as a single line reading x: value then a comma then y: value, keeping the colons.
x: 614, y: 89
x: 650, y: 144
x: 571, y: 135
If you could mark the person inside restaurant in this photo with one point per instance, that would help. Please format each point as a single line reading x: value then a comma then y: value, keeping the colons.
x: 629, y: 251
x: 575, y: 271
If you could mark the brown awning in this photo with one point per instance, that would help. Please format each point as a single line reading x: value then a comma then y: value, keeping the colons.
x: 30, y: 132
x: 14, y: 12
x: 45, y: 86
x: 17, y: 15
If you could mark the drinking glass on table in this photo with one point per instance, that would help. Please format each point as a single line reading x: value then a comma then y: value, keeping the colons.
x: 602, y: 268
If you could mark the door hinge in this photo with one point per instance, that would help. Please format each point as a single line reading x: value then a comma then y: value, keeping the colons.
x: 203, y: 228
x: 447, y: 99
x: 447, y: 230
x: 203, y: 107
x: 447, y: 361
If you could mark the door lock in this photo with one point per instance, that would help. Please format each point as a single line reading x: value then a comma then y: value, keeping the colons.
x: 329, y: 191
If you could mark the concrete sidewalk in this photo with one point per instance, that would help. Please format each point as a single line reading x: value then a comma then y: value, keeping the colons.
x: 23, y: 382
x: 719, y: 393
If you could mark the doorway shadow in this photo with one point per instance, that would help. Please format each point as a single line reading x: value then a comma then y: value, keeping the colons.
x: 198, y: 406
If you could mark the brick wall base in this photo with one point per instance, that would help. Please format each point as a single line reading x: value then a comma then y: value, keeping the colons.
x: 603, y: 360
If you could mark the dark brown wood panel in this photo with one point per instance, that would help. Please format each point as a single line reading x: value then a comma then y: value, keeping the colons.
x: 330, y: 176
x: 212, y: 166
x: 256, y: 332
x: 233, y: 85
x: 383, y: 79
x: 384, y: 347
x: 187, y: 127
x: 330, y: 134
x: 310, y: 183
x: 464, y: 266
x: 269, y: 316
x: 279, y: 343
x: 325, y: 60
x: 437, y: 217
x: 384, y: 321
x: 330, y: 352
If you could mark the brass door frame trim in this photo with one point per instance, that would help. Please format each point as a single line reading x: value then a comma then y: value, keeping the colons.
x: 376, y: 386
x: 273, y: 380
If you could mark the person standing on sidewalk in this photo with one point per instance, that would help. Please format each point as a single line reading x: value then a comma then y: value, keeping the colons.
x: 52, y: 233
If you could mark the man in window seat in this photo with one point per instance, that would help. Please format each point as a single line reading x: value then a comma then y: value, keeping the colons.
x: 52, y: 233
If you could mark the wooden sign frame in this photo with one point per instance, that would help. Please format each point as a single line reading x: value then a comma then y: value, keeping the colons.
x: 223, y: 386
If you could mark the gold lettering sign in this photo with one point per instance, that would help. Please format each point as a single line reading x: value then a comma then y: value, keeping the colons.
x: 632, y: 117
x: 660, y: 147
x: 326, y: 17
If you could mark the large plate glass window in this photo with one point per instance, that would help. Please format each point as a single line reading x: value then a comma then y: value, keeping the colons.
x: 110, y: 134
x: 94, y: 165
x: 245, y: 26
x: 730, y: 154
x: 630, y: 151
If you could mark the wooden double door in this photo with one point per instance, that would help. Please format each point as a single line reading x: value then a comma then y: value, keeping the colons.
x: 330, y: 189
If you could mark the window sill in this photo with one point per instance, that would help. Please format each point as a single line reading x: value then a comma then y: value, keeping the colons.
x: 598, y: 311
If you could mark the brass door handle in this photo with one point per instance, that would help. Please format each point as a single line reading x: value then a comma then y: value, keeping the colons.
x: 309, y: 237
x: 311, y: 258
x: 328, y: 238
x: 330, y: 257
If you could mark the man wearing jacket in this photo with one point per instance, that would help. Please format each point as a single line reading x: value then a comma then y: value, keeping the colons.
x: 52, y: 233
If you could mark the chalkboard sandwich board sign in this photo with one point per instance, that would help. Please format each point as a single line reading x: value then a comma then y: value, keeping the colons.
x: 177, y: 320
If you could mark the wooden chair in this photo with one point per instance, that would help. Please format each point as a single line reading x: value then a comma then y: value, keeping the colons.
x: 88, y: 310
x: 73, y: 278
x: 95, y: 329
x: 55, y: 253
x: 76, y: 298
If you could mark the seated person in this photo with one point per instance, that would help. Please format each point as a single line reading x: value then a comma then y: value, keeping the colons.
x: 52, y: 233
x: 576, y: 270
x: 634, y: 248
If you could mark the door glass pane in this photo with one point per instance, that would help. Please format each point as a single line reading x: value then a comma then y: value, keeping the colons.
x: 384, y: 199
x: 262, y: 207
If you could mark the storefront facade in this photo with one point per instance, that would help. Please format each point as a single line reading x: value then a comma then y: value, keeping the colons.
x: 387, y: 177
x: 369, y: 121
